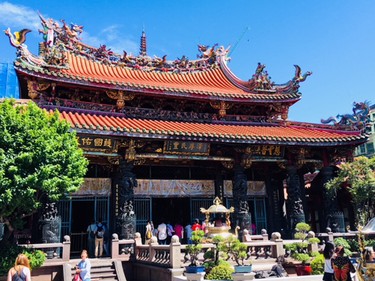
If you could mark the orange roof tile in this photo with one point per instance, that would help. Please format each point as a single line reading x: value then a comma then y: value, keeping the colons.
x: 239, y: 133
x: 205, y: 84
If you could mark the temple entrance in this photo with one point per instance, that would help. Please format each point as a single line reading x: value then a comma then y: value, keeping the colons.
x: 77, y: 214
x: 172, y: 210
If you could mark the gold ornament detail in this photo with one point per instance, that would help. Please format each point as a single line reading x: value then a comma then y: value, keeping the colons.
x: 222, y: 106
x: 34, y: 88
x: 120, y: 97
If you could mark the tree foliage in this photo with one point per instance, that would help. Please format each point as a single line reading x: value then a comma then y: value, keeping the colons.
x: 359, y: 178
x: 39, y: 159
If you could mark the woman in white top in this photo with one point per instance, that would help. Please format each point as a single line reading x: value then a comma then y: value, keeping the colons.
x: 162, y: 233
x: 21, y: 268
x: 328, y: 254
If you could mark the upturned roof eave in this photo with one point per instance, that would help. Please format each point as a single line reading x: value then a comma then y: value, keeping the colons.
x: 27, y: 69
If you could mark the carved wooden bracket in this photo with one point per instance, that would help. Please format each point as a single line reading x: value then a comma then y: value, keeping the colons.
x: 222, y: 106
x: 121, y: 97
x: 34, y: 88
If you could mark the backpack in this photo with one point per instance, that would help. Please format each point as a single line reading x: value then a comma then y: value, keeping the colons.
x: 99, y: 231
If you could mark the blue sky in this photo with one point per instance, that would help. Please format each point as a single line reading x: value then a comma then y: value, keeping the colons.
x: 334, y: 39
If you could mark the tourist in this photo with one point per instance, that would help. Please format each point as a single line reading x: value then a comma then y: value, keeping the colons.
x: 91, y: 238
x: 188, y: 231
x: 179, y: 231
x: 99, y: 238
x: 342, y: 266
x: 328, y: 262
x: 84, y: 267
x: 106, y: 239
x: 170, y: 232
x: 196, y: 225
x: 148, y: 233
x: 21, y: 269
x: 162, y: 233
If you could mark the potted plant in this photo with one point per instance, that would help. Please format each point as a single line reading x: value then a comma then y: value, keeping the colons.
x: 304, y: 268
x: 193, y: 251
x: 237, y: 251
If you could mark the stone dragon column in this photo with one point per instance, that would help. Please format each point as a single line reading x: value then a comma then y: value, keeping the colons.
x: 294, y: 201
x: 125, y: 182
x: 242, y: 217
x: 332, y: 217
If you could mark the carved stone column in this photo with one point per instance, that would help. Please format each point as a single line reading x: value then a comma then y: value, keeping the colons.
x: 294, y: 201
x: 276, y: 201
x: 333, y: 217
x: 50, y: 224
x: 126, y: 181
x: 242, y: 217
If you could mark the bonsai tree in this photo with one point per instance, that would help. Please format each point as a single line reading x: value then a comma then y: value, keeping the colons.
x: 40, y: 160
x: 194, y: 249
x: 236, y: 250
x: 302, y: 233
x: 297, y: 248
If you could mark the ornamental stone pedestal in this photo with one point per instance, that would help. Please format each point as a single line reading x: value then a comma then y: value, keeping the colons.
x: 50, y: 224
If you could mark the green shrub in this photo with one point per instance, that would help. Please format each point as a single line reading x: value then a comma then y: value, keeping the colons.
x: 304, y: 258
x: 36, y: 257
x: 9, y: 253
x: 220, y: 272
x: 317, y: 264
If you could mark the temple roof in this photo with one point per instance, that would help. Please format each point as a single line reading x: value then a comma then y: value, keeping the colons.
x: 257, y: 133
x: 64, y: 58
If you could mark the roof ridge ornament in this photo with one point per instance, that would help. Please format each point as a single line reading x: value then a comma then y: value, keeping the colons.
x: 261, y: 81
x: 359, y: 120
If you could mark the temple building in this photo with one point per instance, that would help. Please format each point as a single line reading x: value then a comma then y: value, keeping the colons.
x: 165, y: 137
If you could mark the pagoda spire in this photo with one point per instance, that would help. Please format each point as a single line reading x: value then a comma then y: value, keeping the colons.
x: 143, y: 47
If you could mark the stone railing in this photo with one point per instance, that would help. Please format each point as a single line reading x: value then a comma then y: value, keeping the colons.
x: 122, y: 248
x: 54, y: 251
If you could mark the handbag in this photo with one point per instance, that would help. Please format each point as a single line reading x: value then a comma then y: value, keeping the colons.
x: 148, y: 234
x: 77, y: 277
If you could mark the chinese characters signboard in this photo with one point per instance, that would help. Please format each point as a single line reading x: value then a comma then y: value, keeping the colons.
x: 186, y: 147
x: 274, y: 151
x: 98, y: 144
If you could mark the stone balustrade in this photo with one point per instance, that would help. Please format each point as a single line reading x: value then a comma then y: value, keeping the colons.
x: 58, y: 251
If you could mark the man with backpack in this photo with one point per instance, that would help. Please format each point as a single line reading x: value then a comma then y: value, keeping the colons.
x: 99, y: 238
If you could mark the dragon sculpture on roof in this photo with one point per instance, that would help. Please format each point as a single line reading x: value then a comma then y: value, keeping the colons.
x: 359, y: 120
